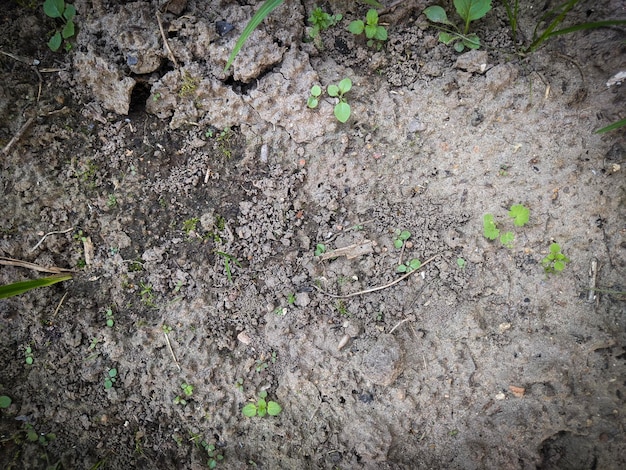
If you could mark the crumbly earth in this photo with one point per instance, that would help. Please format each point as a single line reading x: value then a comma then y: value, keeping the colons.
x: 190, y: 203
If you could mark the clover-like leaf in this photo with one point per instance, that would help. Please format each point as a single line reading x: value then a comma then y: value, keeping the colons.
x: 520, y: 214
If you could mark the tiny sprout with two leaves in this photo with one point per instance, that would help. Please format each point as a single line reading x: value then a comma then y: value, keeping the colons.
x: 408, y: 267
x: 110, y: 379
x: 314, y: 98
x: 261, y: 407
x: 320, y: 249
x: 401, y: 237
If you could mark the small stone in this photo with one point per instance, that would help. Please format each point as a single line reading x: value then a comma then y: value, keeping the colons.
x: 474, y: 61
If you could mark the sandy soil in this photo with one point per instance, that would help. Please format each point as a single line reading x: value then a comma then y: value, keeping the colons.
x: 190, y: 203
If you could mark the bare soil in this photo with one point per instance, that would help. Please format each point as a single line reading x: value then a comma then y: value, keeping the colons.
x: 190, y: 202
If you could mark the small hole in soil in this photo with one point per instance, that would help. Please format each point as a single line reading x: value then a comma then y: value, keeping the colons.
x: 138, y: 98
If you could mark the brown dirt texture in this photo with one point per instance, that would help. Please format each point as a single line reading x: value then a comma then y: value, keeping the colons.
x: 227, y: 242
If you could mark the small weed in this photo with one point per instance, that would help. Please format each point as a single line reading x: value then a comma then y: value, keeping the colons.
x: 34, y: 436
x: 66, y: 12
x: 341, y: 308
x: 314, y: 96
x: 320, y: 249
x: 239, y: 384
x: 187, y: 392
x: 261, y: 407
x: 227, y: 259
x: 321, y: 21
x: 110, y: 320
x: 410, y: 266
x: 374, y: 33
x: 224, y: 142
x: 166, y: 329
x: 28, y: 355
x: 342, y: 108
x: 401, y: 237
x: 260, y: 365
x: 555, y: 261
x: 520, y: 215
x: 291, y: 299
x: 147, y: 295
x: 110, y: 378
x: 190, y: 225
x: 212, y: 453
x: 468, y: 10
x: 156, y: 97
x: 5, y: 401
x: 80, y: 236
x: 461, y: 263
x: 551, y: 20
x: 111, y: 201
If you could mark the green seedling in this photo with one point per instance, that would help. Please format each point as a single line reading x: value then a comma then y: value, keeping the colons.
x: 187, y: 392
x: 291, y: 299
x: 468, y: 10
x: 28, y: 355
x: 267, y: 7
x: 34, y: 436
x: 239, y: 384
x: 401, y: 237
x: 520, y: 214
x: 110, y: 378
x: 410, y: 266
x: 461, y: 263
x: 21, y: 287
x: 5, y: 401
x: 374, y: 33
x: 555, y: 261
x: 65, y: 12
x: 491, y: 231
x: 551, y: 21
x: 224, y: 142
x: 227, y: 259
x: 314, y: 97
x: 110, y: 321
x: 212, y: 453
x: 260, y: 365
x: 321, y: 21
x: 320, y: 249
x: 147, y: 295
x: 342, y: 108
x: 190, y: 225
x: 261, y: 407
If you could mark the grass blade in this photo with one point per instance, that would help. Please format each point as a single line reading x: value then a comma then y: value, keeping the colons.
x: 264, y: 11
x: 611, y: 127
x: 24, y: 286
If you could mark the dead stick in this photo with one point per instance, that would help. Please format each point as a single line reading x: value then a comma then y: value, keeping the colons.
x: 17, y: 136
x: 169, y: 346
x: 35, y: 267
x: 374, y: 289
x: 167, y: 45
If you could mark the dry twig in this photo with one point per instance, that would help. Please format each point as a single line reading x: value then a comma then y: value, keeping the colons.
x: 374, y: 289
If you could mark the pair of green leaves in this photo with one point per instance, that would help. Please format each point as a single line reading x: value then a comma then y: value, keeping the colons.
x: 262, y: 407
x: 468, y: 10
x: 342, y: 108
x: 64, y: 11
